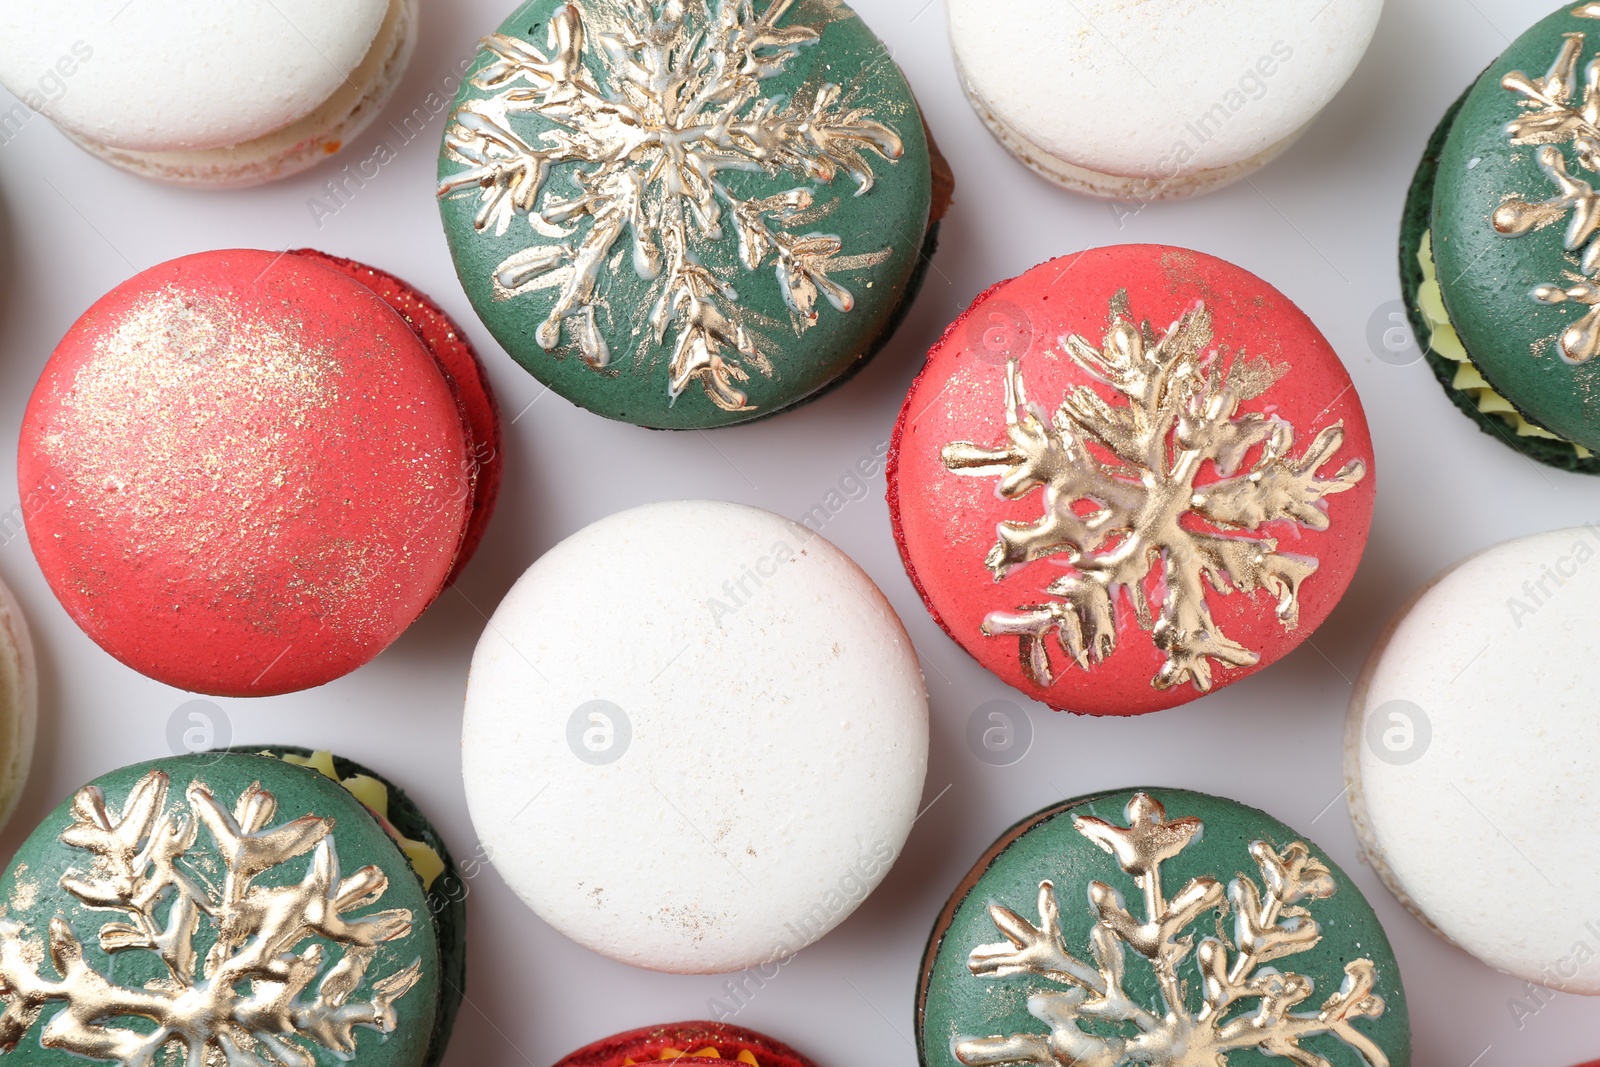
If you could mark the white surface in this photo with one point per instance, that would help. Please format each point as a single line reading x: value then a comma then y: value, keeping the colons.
x: 1487, y: 833
x: 160, y: 75
x: 1319, y: 224
x: 764, y: 704
x: 1116, y: 86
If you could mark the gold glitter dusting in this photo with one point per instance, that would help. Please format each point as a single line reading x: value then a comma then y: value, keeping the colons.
x: 270, y: 988
x: 1244, y: 1005
x: 679, y: 100
x: 1121, y: 498
x: 183, y: 439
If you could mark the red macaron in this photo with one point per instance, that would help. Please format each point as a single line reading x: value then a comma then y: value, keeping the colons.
x: 1129, y: 477
x: 247, y: 473
x: 703, y: 1043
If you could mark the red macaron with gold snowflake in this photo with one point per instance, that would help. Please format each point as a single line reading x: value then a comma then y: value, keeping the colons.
x: 691, y: 1043
x: 1129, y: 477
x: 247, y: 473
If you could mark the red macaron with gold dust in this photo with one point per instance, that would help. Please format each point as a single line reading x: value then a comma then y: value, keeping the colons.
x: 701, y: 1043
x: 1129, y: 477
x: 247, y: 473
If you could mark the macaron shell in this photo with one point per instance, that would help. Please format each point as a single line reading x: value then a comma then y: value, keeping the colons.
x: 301, y: 144
x: 724, y: 722
x: 955, y: 1003
x: 1471, y: 745
x: 678, y: 1041
x: 184, y: 74
x: 34, y: 897
x: 1489, y: 278
x: 946, y: 522
x: 882, y: 229
x: 460, y: 363
x: 250, y: 475
x: 19, y: 702
x: 1122, y: 89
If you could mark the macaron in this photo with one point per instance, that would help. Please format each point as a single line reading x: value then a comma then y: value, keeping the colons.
x: 252, y: 471
x: 1471, y: 747
x: 690, y: 216
x: 1162, y: 927
x: 207, y: 94
x: 698, y: 1043
x: 19, y: 702
x: 1130, y: 477
x: 230, y: 905
x: 1498, y: 254
x: 1114, y: 100
x: 701, y: 759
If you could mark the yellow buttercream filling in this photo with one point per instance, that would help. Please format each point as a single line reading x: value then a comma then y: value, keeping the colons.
x: 1444, y: 341
x: 708, y: 1053
x: 374, y: 796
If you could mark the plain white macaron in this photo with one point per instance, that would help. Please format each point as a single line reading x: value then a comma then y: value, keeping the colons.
x: 207, y: 93
x: 1471, y: 755
x: 19, y: 703
x: 1147, y: 101
x: 696, y: 737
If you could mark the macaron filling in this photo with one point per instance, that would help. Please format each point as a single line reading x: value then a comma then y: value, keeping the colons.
x: 1445, y: 342
x: 1179, y: 184
x: 302, y: 143
x: 423, y: 847
x: 19, y: 702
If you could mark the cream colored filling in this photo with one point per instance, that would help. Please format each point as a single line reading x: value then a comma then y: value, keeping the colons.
x: 1444, y: 341
x: 374, y: 795
x: 300, y: 145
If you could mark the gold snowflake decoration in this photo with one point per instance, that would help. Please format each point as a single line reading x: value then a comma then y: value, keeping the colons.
x: 668, y: 97
x: 248, y: 999
x: 1551, y: 118
x: 1095, y: 1022
x: 1123, y: 503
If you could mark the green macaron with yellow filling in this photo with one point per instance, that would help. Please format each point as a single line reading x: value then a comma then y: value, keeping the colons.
x: 262, y: 906
x: 1500, y: 245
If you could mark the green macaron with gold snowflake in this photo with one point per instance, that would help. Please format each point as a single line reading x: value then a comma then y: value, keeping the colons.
x: 689, y: 213
x: 1500, y: 245
x: 1158, y: 927
x: 276, y: 906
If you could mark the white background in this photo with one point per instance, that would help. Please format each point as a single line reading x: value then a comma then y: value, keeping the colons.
x: 1320, y: 224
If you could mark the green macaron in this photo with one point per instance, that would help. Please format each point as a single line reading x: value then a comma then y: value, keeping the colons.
x: 1500, y: 261
x: 268, y: 905
x: 688, y: 214
x: 1158, y: 927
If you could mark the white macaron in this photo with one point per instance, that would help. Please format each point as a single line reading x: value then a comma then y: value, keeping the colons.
x: 1145, y: 101
x: 696, y: 737
x: 205, y: 93
x: 1471, y: 755
x: 19, y: 703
